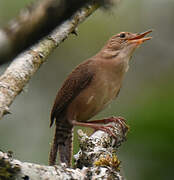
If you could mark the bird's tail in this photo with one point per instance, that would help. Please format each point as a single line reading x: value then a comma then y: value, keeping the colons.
x: 62, y: 143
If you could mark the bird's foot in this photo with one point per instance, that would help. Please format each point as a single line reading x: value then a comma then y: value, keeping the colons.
x: 118, y: 120
x: 104, y: 125
x: 106, y: 128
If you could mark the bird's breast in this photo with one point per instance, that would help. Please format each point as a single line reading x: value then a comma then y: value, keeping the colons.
x: 101, y: 91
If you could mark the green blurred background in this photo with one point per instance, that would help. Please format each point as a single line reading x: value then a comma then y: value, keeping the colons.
x: 146, y: 99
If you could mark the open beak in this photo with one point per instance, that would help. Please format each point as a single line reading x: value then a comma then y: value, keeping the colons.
x: 140, y: 38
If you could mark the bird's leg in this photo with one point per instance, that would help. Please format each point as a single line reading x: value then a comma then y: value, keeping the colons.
x: 96, y: 127
x: 119, y: 120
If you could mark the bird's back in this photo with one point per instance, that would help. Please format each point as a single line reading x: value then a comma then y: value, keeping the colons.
x: 77, y: 80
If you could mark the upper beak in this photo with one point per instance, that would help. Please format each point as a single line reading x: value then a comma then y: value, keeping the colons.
x: 139, y: 38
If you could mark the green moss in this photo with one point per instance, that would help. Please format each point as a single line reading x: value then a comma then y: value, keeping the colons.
x: 7, y: 170
x: 108, y: 161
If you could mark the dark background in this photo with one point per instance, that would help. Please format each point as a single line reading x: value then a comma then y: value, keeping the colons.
x: 146, y: 99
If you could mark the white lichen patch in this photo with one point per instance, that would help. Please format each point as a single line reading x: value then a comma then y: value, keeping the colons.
x: 99, y: 147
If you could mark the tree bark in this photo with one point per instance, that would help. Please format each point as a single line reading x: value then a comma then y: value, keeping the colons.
x: 96, y: 159
x: 36, y: 21
x: 25, y: 65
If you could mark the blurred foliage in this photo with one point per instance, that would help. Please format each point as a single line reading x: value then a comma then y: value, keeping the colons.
x: 146, y: 99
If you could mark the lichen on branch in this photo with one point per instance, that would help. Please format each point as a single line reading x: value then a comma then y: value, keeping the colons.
x: 96, y: 159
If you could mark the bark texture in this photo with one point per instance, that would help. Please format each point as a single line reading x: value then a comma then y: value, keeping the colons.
x: 26, y: 64
x: 36, y: 21
x: 96, y: 159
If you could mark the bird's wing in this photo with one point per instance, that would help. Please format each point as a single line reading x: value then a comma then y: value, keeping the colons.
x: 80, y: 77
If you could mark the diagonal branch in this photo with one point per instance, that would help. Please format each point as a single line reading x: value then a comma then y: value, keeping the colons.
x: 25, y: 65
x: 36, y: 21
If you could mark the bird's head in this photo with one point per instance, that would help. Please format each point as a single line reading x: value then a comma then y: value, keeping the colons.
x: 124, y: 44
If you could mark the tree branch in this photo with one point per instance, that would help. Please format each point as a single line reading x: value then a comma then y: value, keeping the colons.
x: 96, y: 160
x: 36, y: 21
x: 25, y: 65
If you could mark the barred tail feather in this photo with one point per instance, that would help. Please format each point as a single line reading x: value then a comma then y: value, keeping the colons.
x: 62, y: 143
x: 54, y: 149
x: 66, y: 150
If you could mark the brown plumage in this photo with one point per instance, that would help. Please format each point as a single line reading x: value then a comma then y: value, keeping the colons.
x: 75, y: 82
x: 89, y: 89
x: 73, y: 85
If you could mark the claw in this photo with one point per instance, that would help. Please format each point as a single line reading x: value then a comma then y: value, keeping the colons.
x: 107, y: 130
x: 119, y: 120
x: 122, y: 122
x: 104, y: 125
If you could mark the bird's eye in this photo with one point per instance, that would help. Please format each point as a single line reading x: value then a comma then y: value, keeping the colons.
x: 122, y: 35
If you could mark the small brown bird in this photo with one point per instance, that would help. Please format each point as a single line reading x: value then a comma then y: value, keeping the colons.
x: 89, y: 88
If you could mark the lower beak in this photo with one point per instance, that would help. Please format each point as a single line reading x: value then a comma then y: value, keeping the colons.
x: 140, y: 38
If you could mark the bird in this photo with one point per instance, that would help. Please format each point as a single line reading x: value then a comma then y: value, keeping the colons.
x: 88, y: 89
